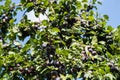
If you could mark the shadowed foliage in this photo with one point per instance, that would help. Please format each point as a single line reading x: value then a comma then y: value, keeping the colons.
x: 73, y: 42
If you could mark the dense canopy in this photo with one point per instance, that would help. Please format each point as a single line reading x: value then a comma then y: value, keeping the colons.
x: 74, y: 42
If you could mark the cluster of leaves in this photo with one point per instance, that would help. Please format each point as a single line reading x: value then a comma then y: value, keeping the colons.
x: 74, y: 42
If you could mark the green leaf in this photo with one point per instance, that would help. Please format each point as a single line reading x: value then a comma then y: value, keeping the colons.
x: 6, y: 76
x: 30, y: 5
x: 79, y: 74
x: 45, y: 22
x: 102, y: 42
x: 7, y: 3
x: 110, y: 28
x: 91, y: 14
x: 91, y: 18
x: 84, y: 0
x: 110, y: 76
x: 99, y: 2
x: 1, y: 62
x: 79, y: 5
x: 94, y: 1
x: 46, y: 2
x: 62, y: 52
x: 101, y: 71
x: 118, y: 27
x: 11, y: 22
x: 106, y: 17
x: 23, y: 1
x: 54, y: 31
x: 36, y: 13
x: 88, y: 74
x: 94, y: 40
x: 109, y: 55
x: 17, y: 43
x: 52, y: 18
x: 19, y: 34
x: 1, y: 48
x: 11, y: 52
x: 15, y: 29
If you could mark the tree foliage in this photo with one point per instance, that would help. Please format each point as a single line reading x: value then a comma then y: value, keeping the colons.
x: 73, y: 42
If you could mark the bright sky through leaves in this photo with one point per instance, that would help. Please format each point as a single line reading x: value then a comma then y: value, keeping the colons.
x: 109, y: 7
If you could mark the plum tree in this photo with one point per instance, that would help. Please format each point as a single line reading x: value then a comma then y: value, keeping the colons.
x: 73, y: 42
